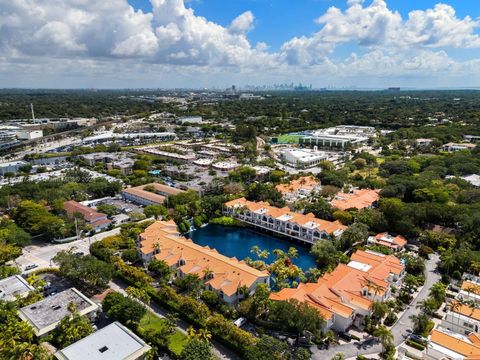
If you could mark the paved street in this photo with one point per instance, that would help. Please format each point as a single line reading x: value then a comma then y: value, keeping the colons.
x: 398, y: 329
x: 41, y: 253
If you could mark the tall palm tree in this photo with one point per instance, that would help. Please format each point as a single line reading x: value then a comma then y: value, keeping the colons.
x: 204, y: 335
x: 385, y: 336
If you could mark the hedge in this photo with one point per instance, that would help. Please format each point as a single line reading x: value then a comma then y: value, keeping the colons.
x: 415, y: 345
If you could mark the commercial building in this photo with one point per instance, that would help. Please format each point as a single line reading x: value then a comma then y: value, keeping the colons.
x: 113, y: 342
x: 222, y: 274
x: 338, y: 137
x: 357, y: 199
x: 461, y: 318
x: 394, y: 243
x: 121, y: 161
x: 149, y: 194
x: 141, y: 137
x: 299, y: 188
x: 303, y: 227
x: 225, y: 165
x: 444, y: 344
x: 44, y: 315
x: 169, y: 152
x: 97, y: 220
x: 27, y: 134
x: 345, y: 296
x: 303, y: 158
x: 13, y: 287
x: 452, y: 147
x: 11, y: 167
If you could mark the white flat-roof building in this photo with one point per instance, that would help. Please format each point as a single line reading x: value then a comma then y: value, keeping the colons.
x: 113, y: 342
x: 303, y: 158
x: 452, y: 147
x: 44, y: 315
x: 225, y: 165
x: 11, y: 167
x: 27, y: 134
x: 14, y: 286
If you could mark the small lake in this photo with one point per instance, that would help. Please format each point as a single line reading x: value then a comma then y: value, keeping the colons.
x: 237, y: 241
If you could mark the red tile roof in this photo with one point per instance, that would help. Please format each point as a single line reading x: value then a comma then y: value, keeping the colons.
x: 358, y: 199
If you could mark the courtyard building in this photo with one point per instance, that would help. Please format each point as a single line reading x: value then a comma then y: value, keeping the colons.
x: 300, y: 188
x: 346, y: 295
x: 222, y: 274
x: 357, y: 199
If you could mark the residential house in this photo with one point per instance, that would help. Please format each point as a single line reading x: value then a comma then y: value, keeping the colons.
x: 357, y: 199
x: 299, y: 188
x: 303, y: 227
x: 470, y: 290
x: 345, y: 296
x: 113, y: 342
x: 447, y: 345
x: 97, y: 220
x: 462, y: 318
x: 227, y: 276
x: 394, y: 243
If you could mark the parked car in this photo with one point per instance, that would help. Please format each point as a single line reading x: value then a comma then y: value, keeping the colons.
x: 30, y: 267
x: 418, y: 338
x: 345, y: 336
x: 240, y: 322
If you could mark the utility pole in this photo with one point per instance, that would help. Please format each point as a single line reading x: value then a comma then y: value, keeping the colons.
x: 33, y: 113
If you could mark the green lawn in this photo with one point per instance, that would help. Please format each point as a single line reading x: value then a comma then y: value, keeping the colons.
x: 176, y: 341
x: 288, y: 139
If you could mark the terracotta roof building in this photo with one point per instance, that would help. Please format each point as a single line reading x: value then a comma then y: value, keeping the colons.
x: 462, y: 318
x: 470, y: 290
x: 345, y: 296
x: 395, y: 243
x: 225, y: 275
x: 304, y: 227
x: 299, y: 188
x: 358, y: 199
x: 97, y: 220
x: 139, y: 195
x: 444, y: 344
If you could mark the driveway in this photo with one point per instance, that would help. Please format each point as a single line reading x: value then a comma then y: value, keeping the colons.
x: 398, y: 329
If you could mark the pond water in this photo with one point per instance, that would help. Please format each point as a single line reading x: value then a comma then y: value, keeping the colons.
x: 238, y: 241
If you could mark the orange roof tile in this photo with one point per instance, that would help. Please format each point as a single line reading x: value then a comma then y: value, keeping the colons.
x: 461, y: 346
x: 470, y: 286
x: 358, y: 199
x: 296, y: 218
x: 465, y: 310
x: 228, y: 273
x: 387, y: 240
x: 304, y: 182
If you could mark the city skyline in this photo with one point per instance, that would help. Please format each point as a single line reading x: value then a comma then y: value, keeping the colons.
x: 209, y: 43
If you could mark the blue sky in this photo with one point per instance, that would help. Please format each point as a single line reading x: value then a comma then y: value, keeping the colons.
x: 279, y: 20
x: 214, y: 43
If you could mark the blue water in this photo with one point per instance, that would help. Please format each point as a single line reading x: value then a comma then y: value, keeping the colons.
x: 233, y: 241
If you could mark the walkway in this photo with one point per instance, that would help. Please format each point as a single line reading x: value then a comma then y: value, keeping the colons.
x: 220, y: 351
x: 369, y: 347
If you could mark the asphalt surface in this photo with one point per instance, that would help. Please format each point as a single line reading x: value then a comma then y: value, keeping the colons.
x: 41, y: 253
x: 353, y: 349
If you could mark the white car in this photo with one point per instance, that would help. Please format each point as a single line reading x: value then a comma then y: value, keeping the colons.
x: 240, y: 322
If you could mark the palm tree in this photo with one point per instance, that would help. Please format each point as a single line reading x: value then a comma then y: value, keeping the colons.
x: 204, y: 335
x: 207, y: 273
x: 437, y: 293
x: 156, y: 248
x: 385, y: 337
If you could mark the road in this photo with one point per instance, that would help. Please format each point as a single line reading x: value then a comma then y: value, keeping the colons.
x: 398, y: 329
x: 220, y: 351
x: 41, y: 253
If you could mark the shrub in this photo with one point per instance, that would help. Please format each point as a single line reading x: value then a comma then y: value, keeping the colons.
x: 390, y: 319
x: 415, y: 345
